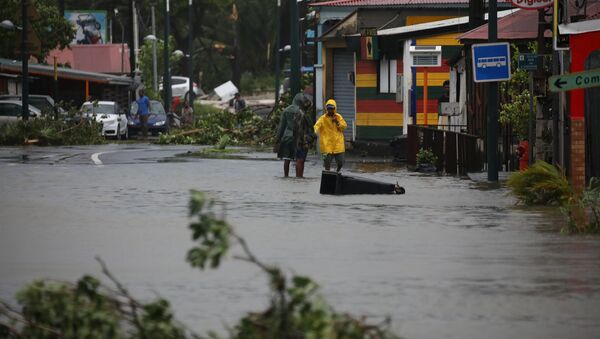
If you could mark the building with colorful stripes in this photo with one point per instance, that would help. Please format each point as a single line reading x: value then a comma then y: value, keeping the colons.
x: 368, y: 69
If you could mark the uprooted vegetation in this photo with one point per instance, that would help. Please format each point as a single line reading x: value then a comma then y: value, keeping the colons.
x: 89, y: 309
x: 214, y: 126
x: 52, y: 130
x: 546, y: 184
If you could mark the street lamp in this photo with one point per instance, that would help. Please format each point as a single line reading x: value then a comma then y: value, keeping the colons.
x: 179, y: 53
x: 116, y: 11
x: 190, y: 66
x: 167, y: 76
x: 153, y: 38
x: 7, y: 24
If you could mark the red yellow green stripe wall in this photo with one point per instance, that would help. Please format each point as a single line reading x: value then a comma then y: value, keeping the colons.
x: 378, y: 115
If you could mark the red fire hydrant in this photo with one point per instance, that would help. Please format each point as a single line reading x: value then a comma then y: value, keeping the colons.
x: 523, y: 153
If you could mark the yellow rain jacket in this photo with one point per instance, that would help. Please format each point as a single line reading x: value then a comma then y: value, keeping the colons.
x: 331, y: 136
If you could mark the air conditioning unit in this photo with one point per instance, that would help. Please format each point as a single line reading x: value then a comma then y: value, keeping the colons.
x: 426, y: 56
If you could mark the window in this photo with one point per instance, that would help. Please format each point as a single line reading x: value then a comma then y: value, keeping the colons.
x: 387, y: 75
x: 10, y: 110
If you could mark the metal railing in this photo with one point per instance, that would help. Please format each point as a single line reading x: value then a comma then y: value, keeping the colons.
x: 457, y: 153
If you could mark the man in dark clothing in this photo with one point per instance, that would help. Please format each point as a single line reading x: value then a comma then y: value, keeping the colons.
x: 445, y: 97
x: 237, y: 103
x: 294, y: 135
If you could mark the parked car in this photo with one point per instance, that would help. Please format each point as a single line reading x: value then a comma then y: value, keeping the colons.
x: 11, y: 111
x: 44, y: 103
x: 180, y: 86
x: 113, y: 119
x: 157, y: 118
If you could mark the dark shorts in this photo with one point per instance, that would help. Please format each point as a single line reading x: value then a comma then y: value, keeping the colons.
x: 339, y: 159
x: 301, y: 153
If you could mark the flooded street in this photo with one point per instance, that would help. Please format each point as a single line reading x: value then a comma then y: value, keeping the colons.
x: 451, y: 258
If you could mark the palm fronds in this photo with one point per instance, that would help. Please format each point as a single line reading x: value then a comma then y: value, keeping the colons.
x: 541, y: 184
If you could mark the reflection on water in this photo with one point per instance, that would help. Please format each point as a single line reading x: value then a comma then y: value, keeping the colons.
x: 449, y: 259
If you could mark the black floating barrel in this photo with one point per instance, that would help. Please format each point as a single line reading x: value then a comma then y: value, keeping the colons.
x: 338, y: 184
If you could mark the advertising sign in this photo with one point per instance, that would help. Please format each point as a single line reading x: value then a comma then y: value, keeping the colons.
x: 532, y: 4
x: 491, y: 62
x: 89, y: 26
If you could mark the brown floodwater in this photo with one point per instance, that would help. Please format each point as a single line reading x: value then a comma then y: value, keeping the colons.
x: 451, y: 258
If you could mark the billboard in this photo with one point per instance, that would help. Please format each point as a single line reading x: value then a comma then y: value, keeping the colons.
x: 89, y: 26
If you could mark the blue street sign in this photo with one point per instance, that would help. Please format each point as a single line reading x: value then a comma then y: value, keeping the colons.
x: 491, y: 62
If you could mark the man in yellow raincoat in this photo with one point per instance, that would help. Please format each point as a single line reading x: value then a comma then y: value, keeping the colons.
x: 330, y: 128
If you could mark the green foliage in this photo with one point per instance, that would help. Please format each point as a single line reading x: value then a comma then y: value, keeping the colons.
x: 51, y: 28
x: 223, y: 141
x: 426, y: 156
x: 158, y: 322
x: 540, y: 184
x: 49, y: 131
x: 203, y: 110
x: 253, y: 83
x: 79, y: 311
x: 543, y: 184
x: 145, y: 65
x: 86, y: 310
x: 516, y: 113
x: 583, y: 210
x: 221, y: 127
x: 514, y: 108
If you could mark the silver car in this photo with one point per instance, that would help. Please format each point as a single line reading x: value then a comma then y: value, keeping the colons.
x: 11, y: 111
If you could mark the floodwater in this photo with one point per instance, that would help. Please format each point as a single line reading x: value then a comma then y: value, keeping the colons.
x: 451, y: 258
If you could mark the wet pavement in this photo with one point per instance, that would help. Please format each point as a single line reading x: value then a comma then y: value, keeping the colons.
x: 452, y: 258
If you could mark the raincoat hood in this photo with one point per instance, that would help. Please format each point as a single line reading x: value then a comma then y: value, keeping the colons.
x: 298, y: 100
x: 331, y: 102
x: 302, y: 101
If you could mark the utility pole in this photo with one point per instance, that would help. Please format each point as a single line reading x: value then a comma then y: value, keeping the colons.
x: 24, y: 62
x: 167, y: 77
x: 236, y: 76
x: 492, y: 109
x: 277, y: 52
x: 132, y: 52
x: 190, y: 65
x: 154, y: 65
x: 295, y: 48
x: 136, y: 37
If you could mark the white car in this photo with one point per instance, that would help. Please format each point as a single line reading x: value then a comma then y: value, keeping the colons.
x: 113, y: 119
x: 180, y: 86
x: 11, y: 111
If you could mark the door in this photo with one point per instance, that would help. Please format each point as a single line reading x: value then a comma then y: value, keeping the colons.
x: 9, y: 112
x: 592, y: 122
x: 343, y: 88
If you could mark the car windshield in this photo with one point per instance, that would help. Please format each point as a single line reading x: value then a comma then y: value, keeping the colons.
x: 155, y: 108
x: 40, y: 103
x: 99, y: 109
x: 178, y: 81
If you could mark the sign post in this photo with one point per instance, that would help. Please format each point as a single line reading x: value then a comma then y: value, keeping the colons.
x: 491, y: 63
x: 571, y: 81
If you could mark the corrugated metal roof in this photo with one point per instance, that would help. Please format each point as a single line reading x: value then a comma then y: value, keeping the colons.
x: 521, y: 25
x: 14, y: 66
x: 392, y: 3
x: 436, y: 24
